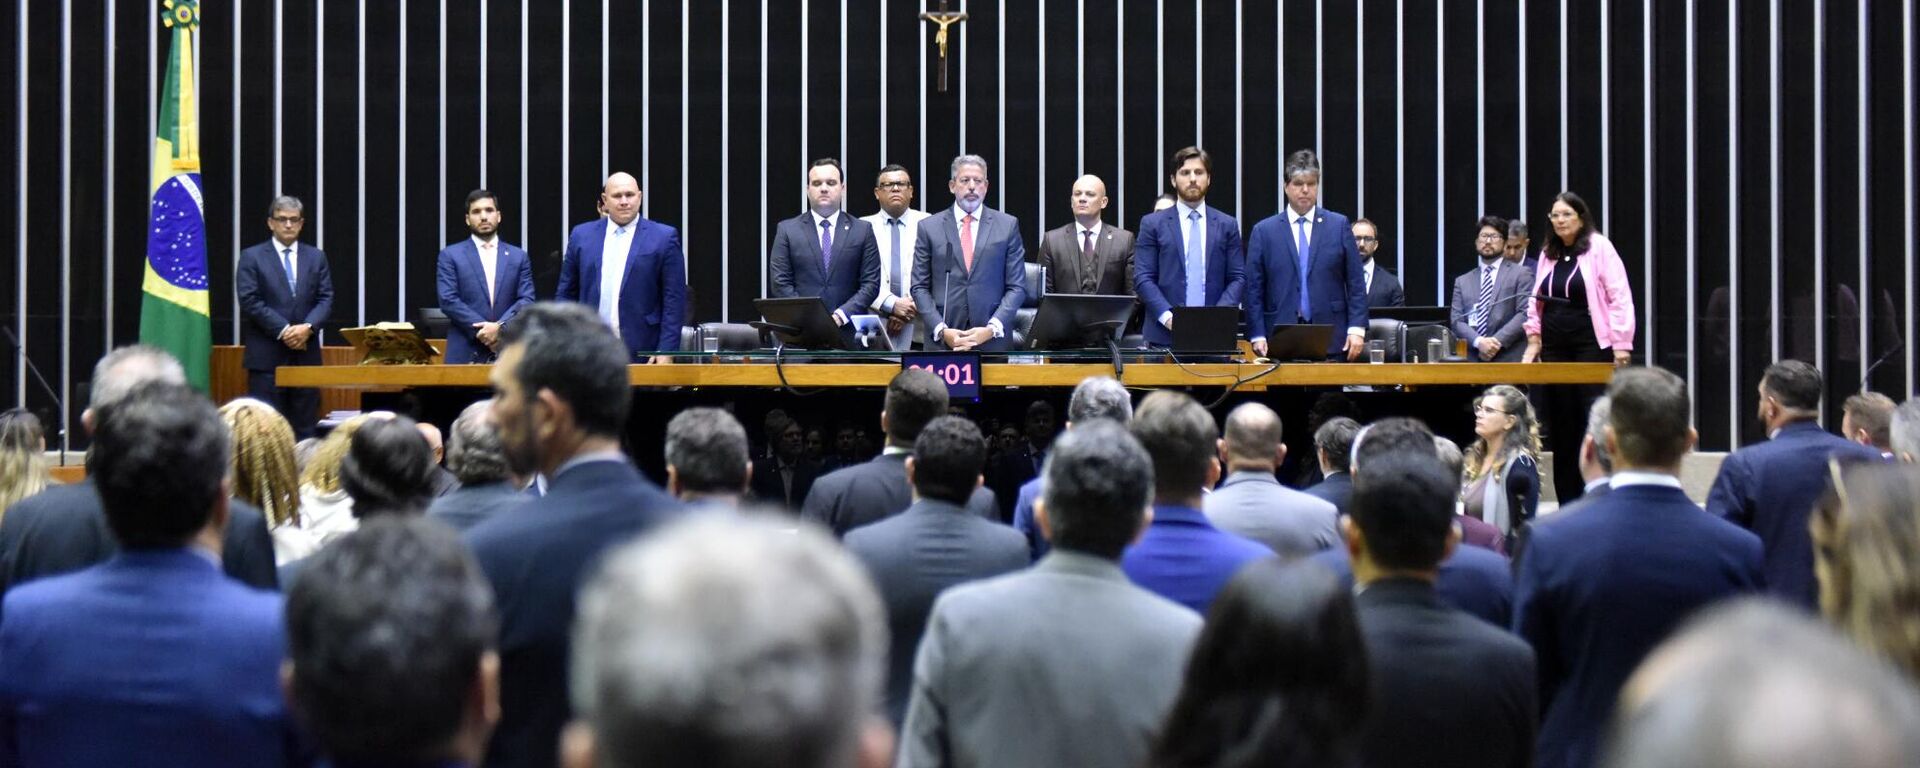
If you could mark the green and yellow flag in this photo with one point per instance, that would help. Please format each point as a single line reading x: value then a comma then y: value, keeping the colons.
x: 173, y: 308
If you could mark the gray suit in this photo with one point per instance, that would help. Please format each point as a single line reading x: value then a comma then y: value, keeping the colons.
x: 1511, y: 285
x: 949, y: 292
x: 915, y: 555
x: 1067, y: 663
x: 1060, y: 251
x: 1255, y: 505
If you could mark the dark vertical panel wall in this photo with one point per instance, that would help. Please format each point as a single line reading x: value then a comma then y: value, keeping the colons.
x: 1763, y: 144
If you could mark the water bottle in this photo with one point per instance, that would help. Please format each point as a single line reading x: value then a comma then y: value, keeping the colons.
x: 1433, y: 350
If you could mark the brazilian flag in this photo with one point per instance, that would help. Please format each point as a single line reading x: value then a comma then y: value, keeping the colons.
x: 173, y: 308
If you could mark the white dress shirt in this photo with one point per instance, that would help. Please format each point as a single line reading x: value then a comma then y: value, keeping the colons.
x: 613, y: 267
x: 291, y: 253
x: 959, y: 215
x: 489, y: 260
x: 1185, y: 212
x: 833, y: 223
x: 883, y: 234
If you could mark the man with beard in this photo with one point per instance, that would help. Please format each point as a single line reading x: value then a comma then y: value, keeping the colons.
x: 1383, y: 286
x: 1188, y: 255
x: 972, y: 258
x: 483, y: 282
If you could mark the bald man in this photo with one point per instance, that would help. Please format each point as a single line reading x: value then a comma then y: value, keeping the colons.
x: 1088, y: 255
x: 630, y: 269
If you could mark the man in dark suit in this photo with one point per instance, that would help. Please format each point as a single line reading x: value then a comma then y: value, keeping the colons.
x: 1598, y: 587
x: 560, y: 401
x: 969, y: 266
x: 1182, y: 556
x: 708, y: 463
x: 488, y: 487
x: 1448, y: 690
x: 847, y: 276
x: 1333, y: 447
x: 1490, y: 301
x: 785, y: 479
x: 854, y: 496
x: 1303, y: 266
x: 1383, y: 286
x: 154, y: 655
x: 483, y: 282
x: 630, y: 269
x: 1088, y: 255
x: 285, y: 292
x: 934, y: 544
x: 64, y: 528
x: 1770, y: 488
x: 1188, y: 239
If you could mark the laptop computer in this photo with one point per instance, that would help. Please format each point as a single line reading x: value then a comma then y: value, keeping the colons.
x: 1206, y: 330
x: 1298, y: 342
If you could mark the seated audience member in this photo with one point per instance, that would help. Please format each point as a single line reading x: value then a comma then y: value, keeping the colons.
x: 1095, y: 397
x: 155, y: 656
x: 863, y: 493
x: 388, y: 469
x: 1182, y: 557
x: 1448, y: 690
x: 390, y: 648
x: 1502, y: 479
x: 264, y: 474
x: 326, y: 511
x: 935, y: 544
x: 707, y: 463
x: 443, y: 480
x: 1472, y: 579
x: 560, y: 401
x: 1274, y: 679
x: 1769, y: 488
x: 63, y: 528
x: 1904, y: 431
x: 729, y: 641
x: 1597, y: 588
x: 1754, y: 684
x: 1866, y: 543
x: 488, y: 487
x: 785, y: 479
x: 1251, y: 502
x: 1003, y: 659
x: 1474, y: 532
x: 1865, y: 419
x: 24, y: 469
x: 1333, y: 448
x: 303, y: 454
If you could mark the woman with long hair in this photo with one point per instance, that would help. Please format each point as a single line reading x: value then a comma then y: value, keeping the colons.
x: 1277, y: 678
x: 264, y: 473
x: 326, y: 511
x: 1501, y: 483
x: 1866, y: 546
x: 24, y: 469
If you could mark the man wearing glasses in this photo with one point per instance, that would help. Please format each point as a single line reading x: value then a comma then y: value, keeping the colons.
x: 894, y: 227
x: 285, y: 293
x: 1489, y: 301
x: 1383, y: 287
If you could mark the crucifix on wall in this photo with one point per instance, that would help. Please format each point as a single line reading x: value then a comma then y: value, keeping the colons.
x: 944, y: 18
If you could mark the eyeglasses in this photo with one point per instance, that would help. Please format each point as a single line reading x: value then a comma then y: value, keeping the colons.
x: 288, y: 219
x: 1365, y: 239
x: 894, y: 185
x: 1482, y: 410
x: 1560, y: 216
x: 1491, y: 238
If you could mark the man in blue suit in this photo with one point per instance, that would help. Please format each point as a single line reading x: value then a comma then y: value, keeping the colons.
x: 483, y: 282
x: 826, y: 252
x: 1770, y: 488
x: 1182, y: 556
x: 973, y: 257
x: 1596, y: 588
x: 153, y: 657
x: 1188, y: 238
x: 1303, y: 266
x: 285, y: 293
x: 630, y: 269
x: 560, y: 403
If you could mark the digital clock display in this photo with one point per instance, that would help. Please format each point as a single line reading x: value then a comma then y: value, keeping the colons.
x: 960, y: 370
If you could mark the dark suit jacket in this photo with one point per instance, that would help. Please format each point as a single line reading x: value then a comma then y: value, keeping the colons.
x: 152, y: 658
x: 850, y: 283
x: 653, y: 290
x: 1511, y: 287
x: 1770, y: 488
x: 1385, y: 290
x: 1448, y: 690
x: 1474, y: 580
x: 1337, y: 488
x: 536, y: 558
x: 850, y: 497
x: 993, y: 290
x: 1112, y: 260
x: 1336, y: 285
x: 260, y: 283
x: 767, y: 485
x: 471, y: 505
x: 915, y: 555
x: 1597, y: 588
x: 1160, y: 266
x: 64, y: 529
x: 462, y: 285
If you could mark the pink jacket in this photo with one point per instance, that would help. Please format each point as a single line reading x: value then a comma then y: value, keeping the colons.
x: 1609, y: 298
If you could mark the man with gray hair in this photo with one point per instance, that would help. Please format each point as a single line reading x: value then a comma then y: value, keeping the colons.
x: 707, y: 458
x: 733, y: 642
x: 64, y: 528
x: 1251, y: 501
x: 285, y: 292
x: 1904, y: 431
x: 1095, y: 397
x: 488, y: 486
x: 969, y: 266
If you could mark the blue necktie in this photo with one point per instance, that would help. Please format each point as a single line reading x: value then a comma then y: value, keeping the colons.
x: 826, y: 246
x: 286, y: 264
x: 1196, y: 262
x: 1301, y: 251
x: 894, y: 260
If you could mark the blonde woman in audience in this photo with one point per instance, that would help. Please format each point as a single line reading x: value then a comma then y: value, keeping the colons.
x: 1866, y: 545
x: 264, y: 474
x: 23, y: 457
x: 1502, y: 481
x: 326, y: 509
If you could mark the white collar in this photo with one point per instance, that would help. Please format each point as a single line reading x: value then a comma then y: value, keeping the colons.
x: 1187, y: 211
x: 1082, y: 230
x: 818, y: 219
x: 1294, y: 218
x: 478, y: 243
x: 1624, y: 479
x: 961, y: 213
